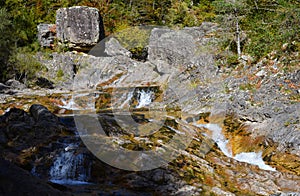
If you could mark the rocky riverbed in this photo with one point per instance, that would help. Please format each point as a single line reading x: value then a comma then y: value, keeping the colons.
x: 226, y: 112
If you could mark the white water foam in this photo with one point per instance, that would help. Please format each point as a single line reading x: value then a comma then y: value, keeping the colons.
x: 145, y: 98
x: 253, y: 158
x: 247, y: 157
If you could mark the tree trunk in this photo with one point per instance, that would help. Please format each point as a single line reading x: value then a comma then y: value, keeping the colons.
x: 256, y: 6
x: 238, y: 39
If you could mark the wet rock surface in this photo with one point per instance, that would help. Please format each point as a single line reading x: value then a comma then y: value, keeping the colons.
x: 192, y: 172
x: 257, y: 107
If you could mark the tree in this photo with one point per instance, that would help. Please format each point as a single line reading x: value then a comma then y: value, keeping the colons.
x: 230, y: 13
x: 6, y: 42
x: 272, y: 24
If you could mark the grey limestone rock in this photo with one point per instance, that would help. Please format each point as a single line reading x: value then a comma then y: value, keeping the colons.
x: 3, y: 87
x: 114, y: 48
x: 14, y: 84
x: 46, y: 34
x: 181, y: 47
x: 79, y: 26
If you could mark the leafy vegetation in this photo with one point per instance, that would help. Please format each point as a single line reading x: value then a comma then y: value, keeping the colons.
x: 258, y: 27
x: 24, y: 65
x: 250, y: 27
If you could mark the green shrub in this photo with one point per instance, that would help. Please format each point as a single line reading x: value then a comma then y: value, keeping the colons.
x: 135, y: 39
x: 25, y: 66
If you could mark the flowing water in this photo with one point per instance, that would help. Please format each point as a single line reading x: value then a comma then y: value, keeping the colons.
x: 254, y: 158
x: 121, y: 99
x: 70, y: 168
x: 145, y: 98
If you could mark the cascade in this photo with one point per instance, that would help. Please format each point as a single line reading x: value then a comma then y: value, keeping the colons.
x: 254, y: 158
x: 145, y: 98
x: 70, y: 168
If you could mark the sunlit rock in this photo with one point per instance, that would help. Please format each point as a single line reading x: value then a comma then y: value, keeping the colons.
x: 80, y: 27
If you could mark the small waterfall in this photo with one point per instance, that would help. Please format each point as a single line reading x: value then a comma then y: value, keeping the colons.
x: 145, y: 98
x: 247, y: 157
x: 79, y: 102
x: 70, y: 168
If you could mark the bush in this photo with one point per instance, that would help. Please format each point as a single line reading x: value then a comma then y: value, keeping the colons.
x: 135, y: 39
x: 6, y: 43
x: 25, y: 66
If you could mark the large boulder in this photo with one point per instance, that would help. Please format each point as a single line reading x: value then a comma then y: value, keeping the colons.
x: 173, y: 46
x: 189, y: 46
x: 79, y: 26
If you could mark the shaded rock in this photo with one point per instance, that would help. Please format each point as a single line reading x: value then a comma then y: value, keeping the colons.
x: 23, y: 130
x: 44, y: 83
x: 3, y: 87
x: 46, y: 34
x: 79, y: 26
x: 17, y: 115
x: 18, y: 182
x: 41, y: 113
